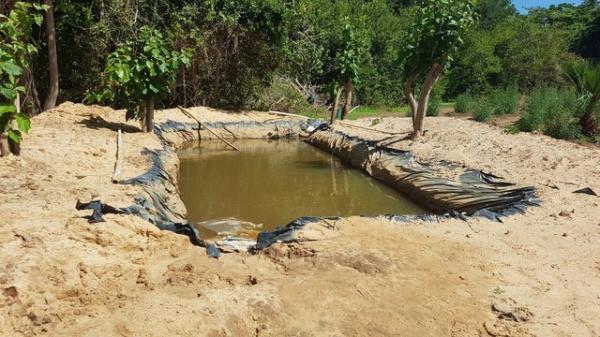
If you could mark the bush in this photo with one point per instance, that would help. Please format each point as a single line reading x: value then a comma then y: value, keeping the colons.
x: 464, y: 103
x: 483, y: 110
x: 282, y: 96
x: 553, y: 112
x: 504, y: 101
x: 436, y: 98
x: 433, y: 106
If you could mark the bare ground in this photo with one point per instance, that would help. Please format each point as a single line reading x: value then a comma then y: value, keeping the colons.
x: 61, y: 276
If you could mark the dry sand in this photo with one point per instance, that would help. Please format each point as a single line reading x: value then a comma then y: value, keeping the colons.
x: 61, y: 276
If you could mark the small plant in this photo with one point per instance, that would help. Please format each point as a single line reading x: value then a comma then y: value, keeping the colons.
x: 465, y: 103
x: 139, y: 73
x: 504, y: 101
x: 513, y: 129
x: 586, y: 78
x: 483, y: 110
x: 283, y: 96
x: 553, y: 112
x: 499, y: 291
x: 436, y: 98
x: 15, y: 51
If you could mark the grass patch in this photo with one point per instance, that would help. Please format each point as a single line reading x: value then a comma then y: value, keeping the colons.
x: 504, y: 101
x: 465, y: 103
x: 553, y: 112
x: 483, y: 110
x: 282, y: 96
x: 369, y: 111
x: 497, y: 102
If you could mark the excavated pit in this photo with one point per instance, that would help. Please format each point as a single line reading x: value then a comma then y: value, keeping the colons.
x: 472, y: 193
x: 269, y: 183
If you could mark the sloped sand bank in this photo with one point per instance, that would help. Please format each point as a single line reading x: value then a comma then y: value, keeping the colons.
x: 61, y: 276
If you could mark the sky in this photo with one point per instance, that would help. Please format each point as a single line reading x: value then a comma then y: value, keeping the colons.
x: 522, y: 4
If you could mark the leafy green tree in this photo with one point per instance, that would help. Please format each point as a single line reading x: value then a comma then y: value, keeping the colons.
x: 586, y: 43
x: 53, y: 87
x: 493, y: 12
x: 586, y: 78
x: 140, y: 73
x: 530, y: 54
x: 516, y: 52
x: 477, y: 68
x: 15, y: 50
x: 436, y: 35
x: 347, y: 58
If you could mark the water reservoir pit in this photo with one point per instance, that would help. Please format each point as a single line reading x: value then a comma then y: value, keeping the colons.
x: 270, y: 183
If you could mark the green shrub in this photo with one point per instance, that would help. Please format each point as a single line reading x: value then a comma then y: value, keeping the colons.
x: 464, y: 103
x: 504, y: 101
x: 282, y: 96
x: 553, y: 112
x: 433, y: 107
x: 483, y: 110
x: 436, y: 98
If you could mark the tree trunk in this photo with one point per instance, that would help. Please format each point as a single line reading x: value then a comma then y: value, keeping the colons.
x: 4, y: 148
x: 410, y: 97
x: 588, y: 122
x: 31, y: 99
x: 15, y: 148
x: 142, y: 115
x: 348, y: 102
x: 52, y: 59
x: 336, y: 102
x: 419, y: 118
x: 149, y: 115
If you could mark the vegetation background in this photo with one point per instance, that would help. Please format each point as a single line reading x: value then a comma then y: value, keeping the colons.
x: 295, y: 56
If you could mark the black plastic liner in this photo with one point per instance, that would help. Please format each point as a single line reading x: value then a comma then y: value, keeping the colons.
x: 158, y: 203
x: 476, y: 193
x: 273, y: 129
x: 99, y: 209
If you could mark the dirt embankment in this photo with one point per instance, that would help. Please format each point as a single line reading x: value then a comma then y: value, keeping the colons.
x: 61, y: 276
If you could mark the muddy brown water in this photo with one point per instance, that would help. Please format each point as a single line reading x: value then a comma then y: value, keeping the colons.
x: 270, y: 183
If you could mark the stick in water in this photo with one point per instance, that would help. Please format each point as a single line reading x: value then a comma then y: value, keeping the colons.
x: 189, y: 114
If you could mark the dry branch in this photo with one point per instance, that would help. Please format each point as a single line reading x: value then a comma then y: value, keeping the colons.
x: 189, y: 114
x: 365, y: 128
x: 119, y: 155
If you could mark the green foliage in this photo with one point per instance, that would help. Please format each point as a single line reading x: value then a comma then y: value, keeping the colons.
x: 477, y: 67
x: 531, y: 54
x: 497, y: 102
x: 515, y: 52
x: 586, y: 40
x: 436, y: 34
x: 504, y: 101
x: 585, y: 77
x: 283, y: 96
x: 435, y: 100
x: 465, y: 103
x: 493, y: 12
x: 348, y: 55
x: 553, y: 112
x: 379, y: 111
x: 239, y: 45
x: 15, y: 50
x: 324, y: 34
x: 483, y: 110
x: 140, y: 69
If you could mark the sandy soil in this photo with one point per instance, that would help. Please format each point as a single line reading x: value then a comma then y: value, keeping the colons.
x: 61, y: 276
